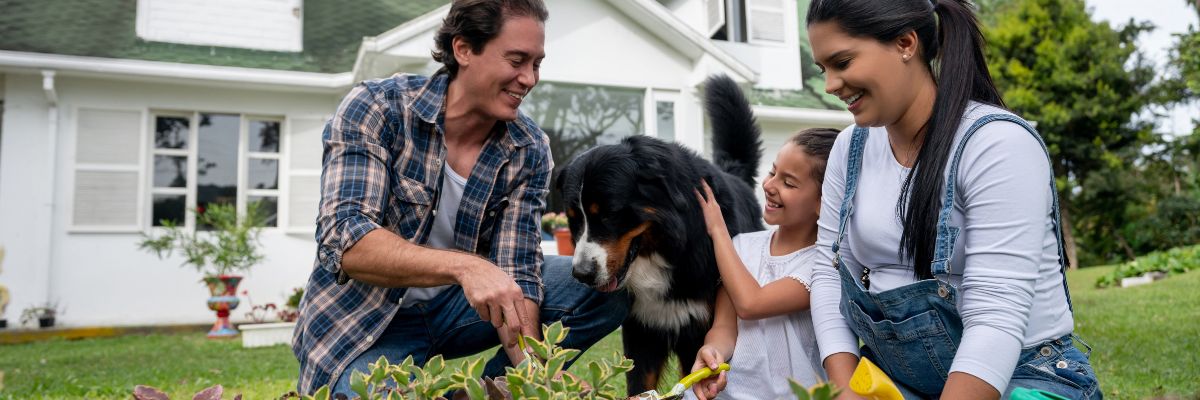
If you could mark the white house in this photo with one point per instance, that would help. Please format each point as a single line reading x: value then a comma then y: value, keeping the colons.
x: 117, y: 114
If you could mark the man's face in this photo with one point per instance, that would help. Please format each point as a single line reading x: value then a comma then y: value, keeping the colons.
x: 499, y: 77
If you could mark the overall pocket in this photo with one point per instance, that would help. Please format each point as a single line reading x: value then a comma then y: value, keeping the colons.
x: 916, y: 351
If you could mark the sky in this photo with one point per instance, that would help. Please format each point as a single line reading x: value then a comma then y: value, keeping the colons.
x: 1168, y: 16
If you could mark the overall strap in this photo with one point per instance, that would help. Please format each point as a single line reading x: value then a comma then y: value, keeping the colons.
x: 853, y: 167
x: 946, y: 234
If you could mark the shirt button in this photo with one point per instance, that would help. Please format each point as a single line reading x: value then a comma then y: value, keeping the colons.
x: 370, y: 338
x: 434, y: 213
x: 1062, y: 364
x: 1045, y: 351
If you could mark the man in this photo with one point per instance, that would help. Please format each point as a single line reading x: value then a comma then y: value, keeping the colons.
x: 432, y: 192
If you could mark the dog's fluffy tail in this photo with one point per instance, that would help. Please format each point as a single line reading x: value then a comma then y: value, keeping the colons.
x: 737, y: 139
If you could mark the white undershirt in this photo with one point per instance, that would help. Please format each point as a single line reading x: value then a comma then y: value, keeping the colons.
x: 1005, y: 262
x: 441, y: 234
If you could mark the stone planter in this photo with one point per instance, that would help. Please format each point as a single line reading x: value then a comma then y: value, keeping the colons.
x: 261, y: 335
x: 1143, y: 279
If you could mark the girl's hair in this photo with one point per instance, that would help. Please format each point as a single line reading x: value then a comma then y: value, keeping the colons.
x: 951, y: 45
x: 816, y: 143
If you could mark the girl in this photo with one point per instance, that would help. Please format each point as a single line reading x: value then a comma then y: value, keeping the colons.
x: 762, y: 307
x: 939, y: 236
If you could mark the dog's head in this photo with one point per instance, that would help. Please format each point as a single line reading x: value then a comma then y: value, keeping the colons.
x: 626, y: 201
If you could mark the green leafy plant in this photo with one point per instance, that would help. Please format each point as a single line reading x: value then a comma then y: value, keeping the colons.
x: 231, y: 246
x: 47, y: 310
x: 820, y: 391
x: 1171, y: 262
x: 552, y: 221
x: 540, y: 376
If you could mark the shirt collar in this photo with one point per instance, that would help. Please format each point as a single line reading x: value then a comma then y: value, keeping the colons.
x: 430, y: 104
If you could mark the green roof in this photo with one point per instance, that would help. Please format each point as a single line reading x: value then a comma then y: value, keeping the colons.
x: 333, y: 30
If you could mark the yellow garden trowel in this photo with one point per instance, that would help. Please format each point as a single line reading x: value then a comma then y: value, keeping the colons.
x: 871, y: 382
x: 676, y: 392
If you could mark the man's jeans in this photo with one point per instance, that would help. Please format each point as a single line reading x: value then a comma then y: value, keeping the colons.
x: 447, y: 325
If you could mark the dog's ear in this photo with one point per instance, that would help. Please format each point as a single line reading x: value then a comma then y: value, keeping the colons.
x: 567, y: 178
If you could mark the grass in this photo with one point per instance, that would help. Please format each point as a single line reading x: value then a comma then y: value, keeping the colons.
x: 1146, y: 340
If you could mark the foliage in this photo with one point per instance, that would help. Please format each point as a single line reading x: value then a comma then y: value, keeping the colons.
x: 552, y: 221
x: 822, y: 391
x: 1083, y: 83
x: 231, y: 246
x: 46, y: 310
x: 540, y: 376
x: 1172, y: 262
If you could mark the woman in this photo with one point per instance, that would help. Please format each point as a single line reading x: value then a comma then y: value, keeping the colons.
x: 939, y: 230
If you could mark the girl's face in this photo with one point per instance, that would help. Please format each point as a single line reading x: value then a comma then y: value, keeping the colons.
x: 793, y: 196
x: 875, y: 79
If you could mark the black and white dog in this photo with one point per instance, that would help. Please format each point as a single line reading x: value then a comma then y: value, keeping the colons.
x: 637, y: 225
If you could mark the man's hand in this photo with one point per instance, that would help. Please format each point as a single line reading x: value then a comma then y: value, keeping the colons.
x: 494, y: 295
x: 709, y: 387
x: 532, y: 328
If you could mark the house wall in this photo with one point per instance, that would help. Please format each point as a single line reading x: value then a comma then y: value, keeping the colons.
x: 275, y: 25
x: 47, y: 260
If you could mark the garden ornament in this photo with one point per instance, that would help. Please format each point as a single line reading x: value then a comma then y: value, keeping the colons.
x: 676, y: 392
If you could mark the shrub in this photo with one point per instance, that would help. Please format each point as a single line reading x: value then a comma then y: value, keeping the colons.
x: 1172, y: 262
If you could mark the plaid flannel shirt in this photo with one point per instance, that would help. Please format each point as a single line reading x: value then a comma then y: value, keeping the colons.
x: 382, y: 168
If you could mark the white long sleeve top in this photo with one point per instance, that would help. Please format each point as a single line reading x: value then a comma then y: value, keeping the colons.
x: 1005, y: 263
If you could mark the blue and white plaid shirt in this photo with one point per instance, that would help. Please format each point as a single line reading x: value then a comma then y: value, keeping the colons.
x: 383, y: 157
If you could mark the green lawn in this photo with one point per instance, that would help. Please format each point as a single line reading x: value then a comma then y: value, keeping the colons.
x: 1146, y: 340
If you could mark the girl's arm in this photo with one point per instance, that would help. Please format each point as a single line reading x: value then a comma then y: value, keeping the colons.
x: 718, y: 347
x: 750, y: 300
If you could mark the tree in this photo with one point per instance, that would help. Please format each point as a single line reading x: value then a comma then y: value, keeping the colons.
x: 1082, y: 82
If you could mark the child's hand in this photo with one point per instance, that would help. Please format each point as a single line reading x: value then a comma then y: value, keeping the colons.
x: 709, y: 387
x: 714, y: 221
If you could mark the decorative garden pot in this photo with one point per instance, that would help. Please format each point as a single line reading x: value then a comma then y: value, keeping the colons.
x: 562, y: 236
x: 46, y: 322
x: 224, y: 299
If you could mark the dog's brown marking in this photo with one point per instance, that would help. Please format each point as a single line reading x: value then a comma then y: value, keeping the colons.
x: 594, y: 208
x: 616, y: 250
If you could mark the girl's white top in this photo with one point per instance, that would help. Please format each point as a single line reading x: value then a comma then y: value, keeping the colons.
x: 772, y: 350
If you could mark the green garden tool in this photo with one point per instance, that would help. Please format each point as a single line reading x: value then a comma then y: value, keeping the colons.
x: 676, y: 392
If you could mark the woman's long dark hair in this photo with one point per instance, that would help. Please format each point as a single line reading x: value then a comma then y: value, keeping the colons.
x: 951, y: 45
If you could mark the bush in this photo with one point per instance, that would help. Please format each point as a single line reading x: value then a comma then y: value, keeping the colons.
x: 1172, y: 262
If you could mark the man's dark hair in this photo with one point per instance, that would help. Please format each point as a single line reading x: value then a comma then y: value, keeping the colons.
x: 478, y: 22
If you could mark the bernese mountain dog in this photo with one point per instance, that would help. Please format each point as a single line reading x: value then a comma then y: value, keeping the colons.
x: 637, y: 226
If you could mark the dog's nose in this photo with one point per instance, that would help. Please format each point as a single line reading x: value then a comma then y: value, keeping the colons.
x: 584, y: 273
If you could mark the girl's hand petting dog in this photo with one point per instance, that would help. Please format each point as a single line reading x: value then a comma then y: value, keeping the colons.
x: 710, y: 357
x: 714, y: 220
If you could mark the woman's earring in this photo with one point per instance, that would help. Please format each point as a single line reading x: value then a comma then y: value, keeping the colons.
x: 906, y: 56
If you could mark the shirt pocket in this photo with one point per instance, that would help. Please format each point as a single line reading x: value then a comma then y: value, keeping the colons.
x: 411, y: 205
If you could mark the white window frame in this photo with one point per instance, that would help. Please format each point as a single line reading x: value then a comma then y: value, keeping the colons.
x: 652, y: 98
x: 750, y: 6
x: 192, y: 153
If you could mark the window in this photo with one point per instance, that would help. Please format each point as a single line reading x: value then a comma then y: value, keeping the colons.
x: 753, y: 21
x: 200, y: 159
x: 661, y: 108
x: 579, y: 117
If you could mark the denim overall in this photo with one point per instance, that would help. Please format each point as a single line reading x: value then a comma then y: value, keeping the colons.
x: 912, y: 332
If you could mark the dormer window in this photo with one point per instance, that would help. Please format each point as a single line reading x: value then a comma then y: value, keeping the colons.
x: 273, y: 25
x: 746, y: 21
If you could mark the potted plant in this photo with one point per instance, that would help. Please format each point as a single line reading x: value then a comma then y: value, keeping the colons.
x: 4, y: 297
x: 263, y: 331
x: 230, y: 247
x: 43, y: 314
x: 556, y: 223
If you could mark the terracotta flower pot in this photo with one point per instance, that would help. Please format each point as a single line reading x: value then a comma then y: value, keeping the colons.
x: 562, y: 236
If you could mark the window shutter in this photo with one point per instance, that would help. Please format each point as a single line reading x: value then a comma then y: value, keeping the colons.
x: 766, y: 21
x: 304, y: 172
x: 716, y: 15
x: 107, y: 173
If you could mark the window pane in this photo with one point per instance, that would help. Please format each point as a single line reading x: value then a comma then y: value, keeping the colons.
x: 216, y: 163
x: 170, y: 171
x: 168, y: 207
x: 268, y: 208
x: 170, y: 132
x: 665, y: 111
x: 264, y: 174
x: 264, y: 136
x: 578, y: 117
